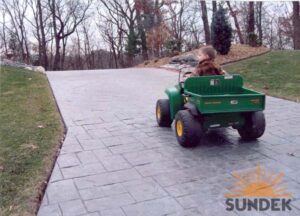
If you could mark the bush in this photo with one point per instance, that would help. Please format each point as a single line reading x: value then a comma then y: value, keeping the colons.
x: 253, y: 39
x: 221, y: 32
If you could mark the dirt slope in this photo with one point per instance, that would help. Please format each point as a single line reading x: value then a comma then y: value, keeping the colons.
x: 237, y: 52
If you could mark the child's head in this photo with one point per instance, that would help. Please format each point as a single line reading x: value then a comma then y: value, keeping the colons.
x: 207, y: 52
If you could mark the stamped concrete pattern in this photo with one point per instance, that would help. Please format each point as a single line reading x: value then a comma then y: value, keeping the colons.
x: 115, y: 161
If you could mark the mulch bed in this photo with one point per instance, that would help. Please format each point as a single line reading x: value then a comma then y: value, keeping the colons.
x: 237, y: 52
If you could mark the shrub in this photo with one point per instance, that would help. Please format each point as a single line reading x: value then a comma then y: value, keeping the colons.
x: 253, y: 39
x: 221, y: 32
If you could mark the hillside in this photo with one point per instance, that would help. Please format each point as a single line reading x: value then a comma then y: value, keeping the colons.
x: 276, y: 73
x: 236, y: 53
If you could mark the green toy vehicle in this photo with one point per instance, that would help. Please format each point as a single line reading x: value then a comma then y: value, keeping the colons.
x: 201, y: 103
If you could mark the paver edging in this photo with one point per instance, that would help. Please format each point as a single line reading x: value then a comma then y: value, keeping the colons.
x: 44, y: 184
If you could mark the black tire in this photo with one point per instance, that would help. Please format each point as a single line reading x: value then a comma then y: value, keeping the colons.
x: 191, y: 131
x: 162, y: 111
x: 254, y: 126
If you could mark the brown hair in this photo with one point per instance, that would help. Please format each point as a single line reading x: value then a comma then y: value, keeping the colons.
x: 210, y: 51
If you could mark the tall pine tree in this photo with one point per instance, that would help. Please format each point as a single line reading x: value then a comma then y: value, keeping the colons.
x: 221, y: 32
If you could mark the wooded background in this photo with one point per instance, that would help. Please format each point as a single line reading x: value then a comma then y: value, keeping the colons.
x: 90, y: 34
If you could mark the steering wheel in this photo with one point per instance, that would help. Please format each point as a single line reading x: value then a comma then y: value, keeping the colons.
x: 184, y: 77
x: 187, y: 74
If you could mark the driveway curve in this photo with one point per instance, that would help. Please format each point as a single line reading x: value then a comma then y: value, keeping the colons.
x: 116, y: 161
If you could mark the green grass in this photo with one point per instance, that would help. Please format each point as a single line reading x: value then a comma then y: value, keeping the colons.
x: 30, y: 133
x: 276, y: 73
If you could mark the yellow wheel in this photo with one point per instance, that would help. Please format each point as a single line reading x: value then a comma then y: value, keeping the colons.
x: 162, y: 112
x: 158, y: 112
x: 188, y: 129
x: 179, y: 129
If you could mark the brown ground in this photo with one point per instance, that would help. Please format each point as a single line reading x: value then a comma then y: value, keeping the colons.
x: 237, y: 52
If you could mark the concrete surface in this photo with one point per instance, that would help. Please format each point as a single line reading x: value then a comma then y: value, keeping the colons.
x: 116, y: 161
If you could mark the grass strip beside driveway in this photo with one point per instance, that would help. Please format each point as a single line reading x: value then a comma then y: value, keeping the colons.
x: 30, y: 134
x: 276, y: 73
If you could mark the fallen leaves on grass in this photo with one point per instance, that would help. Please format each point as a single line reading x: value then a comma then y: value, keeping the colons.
x: 265, y: 87
x: 238, y: 52
x: 29, y: 146
x: 8, y: 93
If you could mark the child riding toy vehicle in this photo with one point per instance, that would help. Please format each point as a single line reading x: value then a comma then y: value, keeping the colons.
x: 201, y: 103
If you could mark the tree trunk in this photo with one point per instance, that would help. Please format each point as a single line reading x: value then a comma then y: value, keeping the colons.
x: 87, y: 48
x: 114, y: 53
x: 56, y: 63
x: 38, y: 35
x: 296, y: 24
x: 251, y: 37
x: 236, y: 22
x: 62, y: 58
x: 24, y: 36
x: 258, y: 22
x: 78, y: 63
x: 43, y: 44
x: 271, y: 35
x: 205, y: 22
x: 214, y: 5
x: 251, y: 19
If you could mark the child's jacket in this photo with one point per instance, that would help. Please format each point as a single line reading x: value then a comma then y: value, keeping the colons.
x: 207, y: 68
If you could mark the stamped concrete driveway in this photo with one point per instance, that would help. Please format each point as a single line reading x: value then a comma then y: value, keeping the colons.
x: 116, y: 161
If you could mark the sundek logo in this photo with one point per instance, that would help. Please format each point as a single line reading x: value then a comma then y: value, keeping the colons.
x: 258, y: 191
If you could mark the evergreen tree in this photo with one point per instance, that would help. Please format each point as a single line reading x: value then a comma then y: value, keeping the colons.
x: 221, y: 31
x: 132, y: 45
x: 13, y: 44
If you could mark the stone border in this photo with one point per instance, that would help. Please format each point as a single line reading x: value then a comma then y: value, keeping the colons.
x: 55, y: 155
x: 249, y: 57
x: 227, y: 63
x: 7, y: 62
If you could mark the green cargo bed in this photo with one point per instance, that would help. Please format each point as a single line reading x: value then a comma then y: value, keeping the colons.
x: 222, y: 94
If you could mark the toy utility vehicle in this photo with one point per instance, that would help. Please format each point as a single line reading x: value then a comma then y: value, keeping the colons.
x: 201, y: 103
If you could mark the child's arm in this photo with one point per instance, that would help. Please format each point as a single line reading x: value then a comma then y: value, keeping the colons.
x: 224, y: 72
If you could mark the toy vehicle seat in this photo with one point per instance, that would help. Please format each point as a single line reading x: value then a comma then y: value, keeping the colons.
x: 214, y: 85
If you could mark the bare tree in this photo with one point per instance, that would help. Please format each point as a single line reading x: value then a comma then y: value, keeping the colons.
x: 122, y: 16
x: 177, y: 21
x: 66, y: 16
x: 233, y: 13
x: 88, y: 53
x: 16, y: 11
x: 155, y: 26
x: 3, y: 32
x: 205, y: 22
x: 36, y: 25
x: 39, y: 23
x: 112, y: 27
x: 129, y: 31
x: 193, y: 27
x: 296, y: 24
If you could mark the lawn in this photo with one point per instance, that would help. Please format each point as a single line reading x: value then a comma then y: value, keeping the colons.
x: 31, y: 131
x: 276, y: 73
